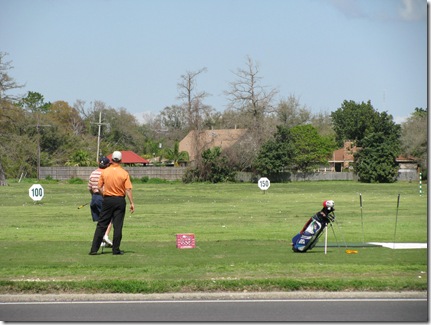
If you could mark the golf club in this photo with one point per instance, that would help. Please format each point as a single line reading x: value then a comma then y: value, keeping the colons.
x: 348, y: 251
x: 362, y: 220
x: 81, y: 206
x: 336, y: 240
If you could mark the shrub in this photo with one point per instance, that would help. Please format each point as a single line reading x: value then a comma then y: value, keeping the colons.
x: 75, y: 180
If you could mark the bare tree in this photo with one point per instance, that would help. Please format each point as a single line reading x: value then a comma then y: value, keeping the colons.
x: 323, y: 123
x: 248, y: 96
x: 193, y: 99
x: 196, y: 110
x: 414, y: 140
x: 290, y: 113
x: 6, y: 100
x: 6, y: 82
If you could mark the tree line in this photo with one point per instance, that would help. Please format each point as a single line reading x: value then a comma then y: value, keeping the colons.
x: 282, y: 135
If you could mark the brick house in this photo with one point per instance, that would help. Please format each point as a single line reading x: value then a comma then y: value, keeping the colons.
x: 343, y: 158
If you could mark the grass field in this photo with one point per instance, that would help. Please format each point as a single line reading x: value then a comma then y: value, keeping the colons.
x: 242, y: 239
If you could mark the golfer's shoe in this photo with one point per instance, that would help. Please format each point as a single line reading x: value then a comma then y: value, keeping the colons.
x: 103, y: 244
x: 106, y: 240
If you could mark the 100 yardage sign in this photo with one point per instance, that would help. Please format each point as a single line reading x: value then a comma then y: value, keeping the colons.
x: 36, y: 192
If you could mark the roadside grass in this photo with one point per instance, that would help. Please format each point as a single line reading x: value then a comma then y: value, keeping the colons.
x: 242, y: 239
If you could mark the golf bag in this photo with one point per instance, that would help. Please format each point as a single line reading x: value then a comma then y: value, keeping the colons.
x: 308, y: 237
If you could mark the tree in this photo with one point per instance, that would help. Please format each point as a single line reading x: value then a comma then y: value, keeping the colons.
x: 176, y: 155
x: 7, y: 113
x: 414, y: 140
x: 195, y: 109
x: 376, y: 161
x: 323, y: 123
x: 353, y: 121
x: 80, y: 158
x: 66, y: 117
x: 173, y: 118
x: 241, y: 154
x: 215, y: 168
x: 34, y: 103
x: 299, y: 148
x: 375, y: 133
x: 275, y: 155
x: 121, y: 132
x: 363, y: 124
x: 248, y: 96
x: 290, y: 113
x: 310, y: 150
x: 7, y: 83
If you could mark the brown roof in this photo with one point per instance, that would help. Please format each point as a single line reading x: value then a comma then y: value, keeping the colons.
x: 129, y: 157
x: 224, y: 139
x: 346, y: 153
x: 408, y: 159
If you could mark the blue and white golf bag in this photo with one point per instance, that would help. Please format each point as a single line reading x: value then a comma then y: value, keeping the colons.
x: 308, y: 237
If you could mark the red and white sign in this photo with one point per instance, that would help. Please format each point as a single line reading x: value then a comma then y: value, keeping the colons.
x: 186, y: 241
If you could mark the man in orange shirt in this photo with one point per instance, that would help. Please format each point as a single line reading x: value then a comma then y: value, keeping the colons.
x: 115, y: 185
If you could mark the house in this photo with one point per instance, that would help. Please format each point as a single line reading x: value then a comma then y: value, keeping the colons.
x: 408, y: 168
x: 131, y: 158
x: 344, y: 157
x: 197, y: 141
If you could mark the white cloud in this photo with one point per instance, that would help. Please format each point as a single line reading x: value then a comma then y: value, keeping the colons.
x: 400, y: 119
x: 350, y: 8
x: 144, y: 117
x: 405, y: 10
x: 412, y: 10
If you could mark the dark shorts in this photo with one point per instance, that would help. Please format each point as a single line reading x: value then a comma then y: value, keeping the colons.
x: 96, y: 206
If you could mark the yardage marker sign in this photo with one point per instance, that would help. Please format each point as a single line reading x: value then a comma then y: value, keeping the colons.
x: 36, y: 192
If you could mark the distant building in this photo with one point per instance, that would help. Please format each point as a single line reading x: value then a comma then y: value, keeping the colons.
x: 342, y: 158
x: 131, y: 158
x: 197, y: 141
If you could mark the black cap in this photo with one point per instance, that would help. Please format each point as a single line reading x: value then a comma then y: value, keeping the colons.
x: 104, y: 162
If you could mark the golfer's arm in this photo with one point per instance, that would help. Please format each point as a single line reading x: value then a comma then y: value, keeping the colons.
x: 130, y: 197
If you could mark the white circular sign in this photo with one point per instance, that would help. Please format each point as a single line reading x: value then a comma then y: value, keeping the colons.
x: 36, y: 192
x: 264, y: 183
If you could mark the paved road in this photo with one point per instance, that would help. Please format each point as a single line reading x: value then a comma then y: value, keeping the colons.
x: 282, y: 307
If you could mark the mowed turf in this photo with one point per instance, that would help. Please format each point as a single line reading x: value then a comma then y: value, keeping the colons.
x: 242, y: 236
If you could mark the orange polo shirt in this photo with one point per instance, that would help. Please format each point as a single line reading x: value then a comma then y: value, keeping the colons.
x: 115, y: 180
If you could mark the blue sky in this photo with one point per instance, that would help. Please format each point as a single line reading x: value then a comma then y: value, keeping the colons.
x: 131, y: 53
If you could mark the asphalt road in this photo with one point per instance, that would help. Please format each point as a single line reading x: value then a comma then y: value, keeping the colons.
x: 244, y: 307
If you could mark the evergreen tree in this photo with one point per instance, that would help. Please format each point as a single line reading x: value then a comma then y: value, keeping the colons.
x: 375, y: 162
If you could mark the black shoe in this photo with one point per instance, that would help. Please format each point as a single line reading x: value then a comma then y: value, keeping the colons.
x: 92, y: 253
x: 118, y: 253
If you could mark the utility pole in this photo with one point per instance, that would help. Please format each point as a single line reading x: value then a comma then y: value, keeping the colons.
x: 38, y: 145
x: 99, y: 124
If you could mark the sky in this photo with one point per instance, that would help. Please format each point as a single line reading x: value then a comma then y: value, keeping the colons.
x: 131, y: 53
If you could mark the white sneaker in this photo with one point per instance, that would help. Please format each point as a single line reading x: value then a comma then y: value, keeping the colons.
x: 103, y: 244
x: 106, y: 240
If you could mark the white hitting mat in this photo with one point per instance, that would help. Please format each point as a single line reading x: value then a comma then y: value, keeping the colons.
x: 401, y: 245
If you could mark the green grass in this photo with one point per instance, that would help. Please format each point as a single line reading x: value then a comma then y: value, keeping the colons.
x: 242, y: 237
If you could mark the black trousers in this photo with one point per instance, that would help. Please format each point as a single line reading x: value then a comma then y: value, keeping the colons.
x: 113, y: 209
